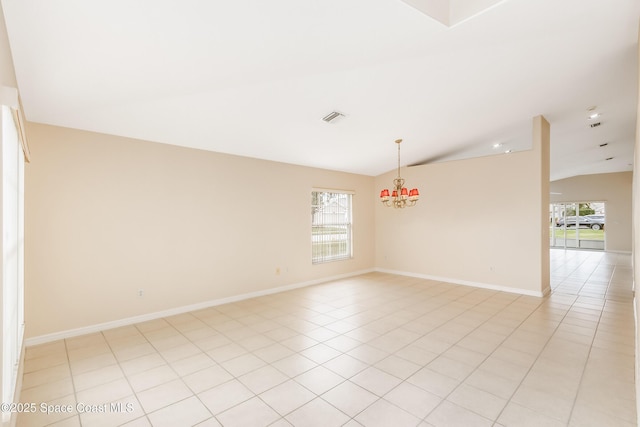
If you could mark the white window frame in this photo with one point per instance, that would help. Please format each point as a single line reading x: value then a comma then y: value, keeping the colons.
x: 331, y: 210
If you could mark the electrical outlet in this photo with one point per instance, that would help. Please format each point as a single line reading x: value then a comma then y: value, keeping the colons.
x: 140, y: 292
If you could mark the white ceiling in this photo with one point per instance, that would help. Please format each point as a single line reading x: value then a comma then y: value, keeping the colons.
x: 255, y: 77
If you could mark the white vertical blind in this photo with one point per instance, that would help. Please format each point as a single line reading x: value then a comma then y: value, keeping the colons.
x: 12, y: 253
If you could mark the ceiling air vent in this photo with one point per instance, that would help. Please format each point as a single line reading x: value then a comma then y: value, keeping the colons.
x: 332, y: 116
x: 595, y: 125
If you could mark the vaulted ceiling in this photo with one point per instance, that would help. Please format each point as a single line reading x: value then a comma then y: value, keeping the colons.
x: 255, y: 78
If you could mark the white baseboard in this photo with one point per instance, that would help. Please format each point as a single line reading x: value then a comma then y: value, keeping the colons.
x: 70, y: 333
x: 467, y: 283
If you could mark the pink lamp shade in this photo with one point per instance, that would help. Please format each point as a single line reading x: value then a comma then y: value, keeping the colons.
x: 404, y: 192
x: 384, y: 193
x: 395, y: 193
x: 414, y: 192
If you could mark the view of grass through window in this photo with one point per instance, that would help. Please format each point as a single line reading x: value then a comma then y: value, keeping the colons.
x: 584, y: 234
x: 577, y: 225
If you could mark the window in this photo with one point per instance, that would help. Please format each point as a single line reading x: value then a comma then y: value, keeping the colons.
x: 577, y: 225
x: 330, y: 226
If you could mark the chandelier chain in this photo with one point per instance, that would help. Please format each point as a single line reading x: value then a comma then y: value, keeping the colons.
x: 398, y: 142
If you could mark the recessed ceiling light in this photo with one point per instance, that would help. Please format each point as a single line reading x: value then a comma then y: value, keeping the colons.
x: 592, y: 113
x: 497, y: 145
x: 508, y: 151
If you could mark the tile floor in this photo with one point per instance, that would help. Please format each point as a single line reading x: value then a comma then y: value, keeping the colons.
x: 373, y: 350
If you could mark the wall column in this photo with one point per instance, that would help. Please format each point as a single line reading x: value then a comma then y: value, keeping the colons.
x: 540, y: 146
x: 635, y: 243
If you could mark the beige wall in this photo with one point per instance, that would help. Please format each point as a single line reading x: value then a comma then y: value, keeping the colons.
x: 107, y: 216
x: 477, y: 222
x: 612, y: 188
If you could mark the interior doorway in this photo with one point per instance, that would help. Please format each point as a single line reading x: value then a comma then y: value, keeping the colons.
x: 577, y: 225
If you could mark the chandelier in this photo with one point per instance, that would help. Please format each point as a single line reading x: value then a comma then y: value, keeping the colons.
x: 400, y: 197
